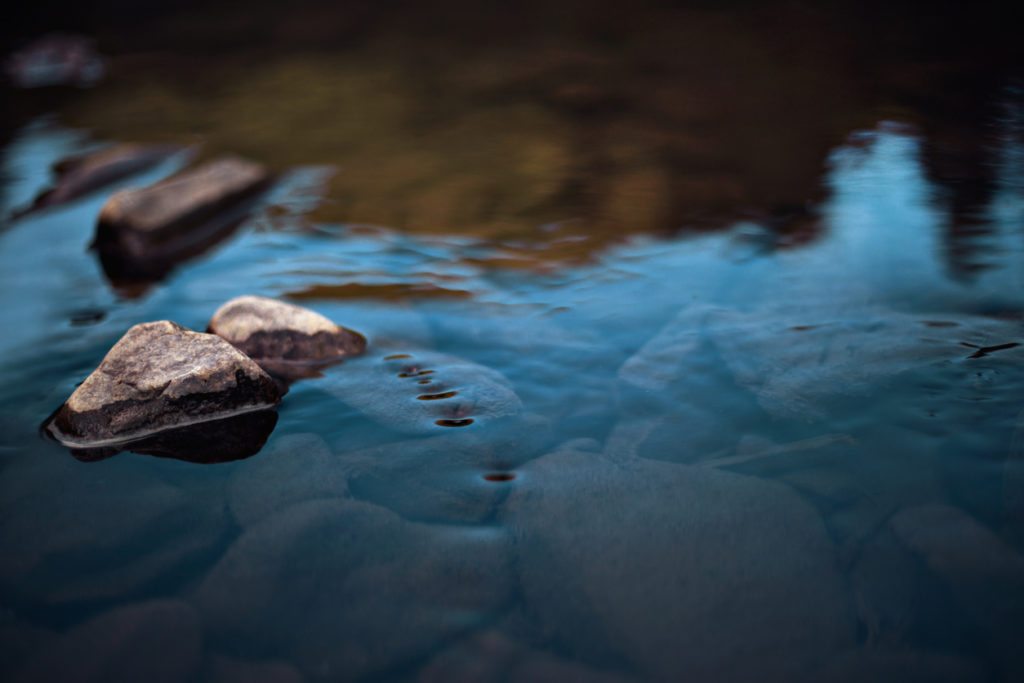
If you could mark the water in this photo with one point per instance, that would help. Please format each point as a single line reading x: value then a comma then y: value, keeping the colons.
x: 775, y: 434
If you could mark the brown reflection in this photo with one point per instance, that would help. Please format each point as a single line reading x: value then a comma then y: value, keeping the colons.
x: 389, y: 292
x: 651, y: 117
x: 215, y: 441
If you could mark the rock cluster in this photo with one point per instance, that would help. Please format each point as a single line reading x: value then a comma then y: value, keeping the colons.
x: 169, y: 391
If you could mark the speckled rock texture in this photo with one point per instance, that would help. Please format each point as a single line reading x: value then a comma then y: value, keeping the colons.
x: 135, y: 222
x: 161, y: 375
x: 269, y: 330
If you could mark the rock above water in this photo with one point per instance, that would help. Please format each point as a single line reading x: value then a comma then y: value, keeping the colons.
x: 160, y: 375
x: 143, y: 232
x: 265, y: 329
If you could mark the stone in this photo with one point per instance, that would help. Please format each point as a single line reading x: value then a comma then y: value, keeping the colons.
x: 82, y: 175
x: 161, y: 375
x: 346, y: 590
x: 142, y: 233
x: 158, y: 641
x: 425, y: 392
x: 686, y: 573
x: 269, y: 330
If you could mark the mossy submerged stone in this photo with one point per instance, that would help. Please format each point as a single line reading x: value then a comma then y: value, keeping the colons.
x: 157, y: 376
x: 266, y: 329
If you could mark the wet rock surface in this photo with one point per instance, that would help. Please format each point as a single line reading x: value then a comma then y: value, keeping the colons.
x: 142, y: 233
x: 269, y: 330
x: 735, y: 580
x: 160, y: 375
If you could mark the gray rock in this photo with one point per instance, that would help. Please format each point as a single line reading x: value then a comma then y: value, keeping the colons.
x: 689, y: 573
x: 85, y: 174
x: 345, y: 589
x: 297, y: 468
x: 269, y: 330
x: 158, y: 641
x: 160, y: 375
x: 425, y: 392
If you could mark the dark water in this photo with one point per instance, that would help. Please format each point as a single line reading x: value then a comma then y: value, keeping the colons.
x: 731, y: 302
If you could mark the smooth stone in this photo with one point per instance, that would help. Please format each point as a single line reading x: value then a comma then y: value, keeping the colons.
x: 297, y: 468
x: 142, y: 234
x: 158, y: 642
x: 138, y: 219
x: 81, y: 175
x: 425, y: 392
x: 346, y: 590
x: 77, y: 534
x: 160, y: 375
x: 266, y: 329
x: 686, y: 573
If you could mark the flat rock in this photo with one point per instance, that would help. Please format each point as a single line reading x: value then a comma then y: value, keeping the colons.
x: 160, y: 375
x: 346, y: 590
x: 158, y: 641
x: 686, y: 573
x: 425, y: 392
x: 87, y: 173
x: 142, y: 233
x: 265, y: 329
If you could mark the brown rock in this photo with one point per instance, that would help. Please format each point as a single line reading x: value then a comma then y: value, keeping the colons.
x: 160, y: 375
x: 269, y: 330
x: 142, y: 232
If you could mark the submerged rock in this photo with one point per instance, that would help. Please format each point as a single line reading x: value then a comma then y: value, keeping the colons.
x: 143, y: 232
x: 160, y: 375
x: 346, y: 590
x: 282, y: 333
x: 684, y: 572
x: 84, y: 174
x: 425, y: 392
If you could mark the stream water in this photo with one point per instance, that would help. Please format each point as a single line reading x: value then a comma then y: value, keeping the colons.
x: 760, y: 410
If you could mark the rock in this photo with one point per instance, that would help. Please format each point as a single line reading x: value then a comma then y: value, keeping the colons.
x: 425, y: 392
x: 158, y: 641
x: 143, y: 232
x: 346, y: 590
x: 298, y: 468
x: 160, y: 375
x: 213, y: 441
x: 85, y: 174
x: 269, y: 330
x: 78, y: 534
x: 687, y: 573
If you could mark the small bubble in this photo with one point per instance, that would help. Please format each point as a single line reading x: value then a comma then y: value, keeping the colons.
x: 454, y: 423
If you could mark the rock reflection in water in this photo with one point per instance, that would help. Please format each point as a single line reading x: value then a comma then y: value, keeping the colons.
x: 214, y: 441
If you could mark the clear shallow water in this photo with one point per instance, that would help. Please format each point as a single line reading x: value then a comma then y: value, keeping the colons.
x: 757, y: 453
